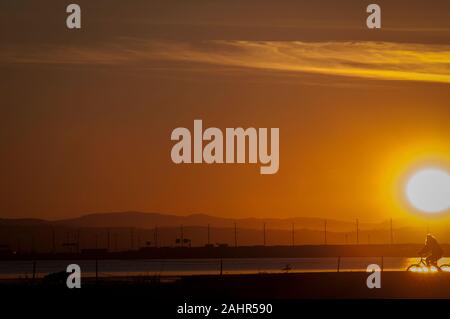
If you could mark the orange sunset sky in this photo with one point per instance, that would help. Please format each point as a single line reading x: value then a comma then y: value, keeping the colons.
x: 86, y: 115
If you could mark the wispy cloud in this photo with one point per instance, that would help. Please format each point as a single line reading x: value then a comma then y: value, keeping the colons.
x: 378, y: 60
x: 375, y: 60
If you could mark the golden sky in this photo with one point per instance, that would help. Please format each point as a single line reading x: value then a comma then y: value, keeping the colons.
x: 86, y: 115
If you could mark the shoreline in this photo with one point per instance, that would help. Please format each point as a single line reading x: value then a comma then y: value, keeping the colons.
x: 312, y: 251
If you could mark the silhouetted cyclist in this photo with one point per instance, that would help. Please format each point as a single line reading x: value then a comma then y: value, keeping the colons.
x: 432, y: 250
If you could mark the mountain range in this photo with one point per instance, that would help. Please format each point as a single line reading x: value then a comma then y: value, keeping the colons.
x: 151, y: 220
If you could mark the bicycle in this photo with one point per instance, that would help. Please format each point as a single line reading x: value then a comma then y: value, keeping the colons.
x: 422, y: 266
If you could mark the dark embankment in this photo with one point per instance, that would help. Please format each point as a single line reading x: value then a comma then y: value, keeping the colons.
x: 261, y: 286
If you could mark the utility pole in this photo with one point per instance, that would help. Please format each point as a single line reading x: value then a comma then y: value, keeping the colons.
x: 392, y: 234
x: 235, y: 235
x: 33, y: 243
x: 357, y: 231
x: 293, y: 235
x: 325, y: 231
x: 109, y: 239
x: 155, y: 236
x: 209, y: 234
x: 181, y: 235
x: 132, y: 238
x: 53, y: 240
x: 264, y: 233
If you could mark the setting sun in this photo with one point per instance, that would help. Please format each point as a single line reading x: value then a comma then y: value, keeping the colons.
x: 428, y: 190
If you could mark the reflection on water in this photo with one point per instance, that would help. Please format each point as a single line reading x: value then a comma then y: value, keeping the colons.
x: 178, y: 267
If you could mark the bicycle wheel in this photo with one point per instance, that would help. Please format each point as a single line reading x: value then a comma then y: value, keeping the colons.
x: 415, y: 268
x: 445, y: 267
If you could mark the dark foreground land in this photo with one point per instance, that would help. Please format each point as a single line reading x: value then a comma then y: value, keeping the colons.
x: 258, y: 286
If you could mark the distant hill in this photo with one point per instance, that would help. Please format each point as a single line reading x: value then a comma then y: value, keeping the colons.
x: 150, y: 220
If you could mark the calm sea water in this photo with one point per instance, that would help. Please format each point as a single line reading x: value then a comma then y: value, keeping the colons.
x: 178, y: 267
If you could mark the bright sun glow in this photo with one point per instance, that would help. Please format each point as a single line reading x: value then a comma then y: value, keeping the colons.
x: 429, y: 190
